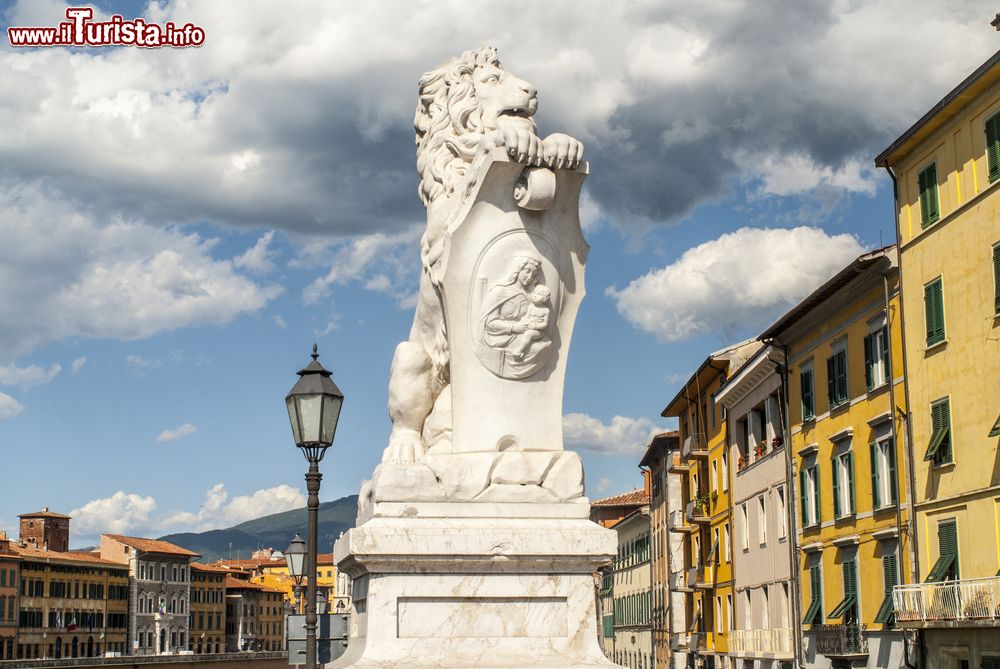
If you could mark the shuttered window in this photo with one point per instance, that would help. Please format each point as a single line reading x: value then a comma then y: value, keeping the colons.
x: 883, y: 460
x: 993, y: 146
x: 927, y: 184
x: 848, y: 606
x: 836, y: 378
x: 946, y: 567
x: 890, y: 577
x: 991, y: 662
x: 996, y: 278
x: 939, y: 450
x: 814, y: 614
x: 876, y: 357
x: 808, y: 397
x: 934, y: 311
x: 843, y: 485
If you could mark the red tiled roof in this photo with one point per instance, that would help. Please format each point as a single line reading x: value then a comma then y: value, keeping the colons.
x: 44, y: 513
x: 31, y: 553
x: 152, y: 545
x: 240, y: 584
x: 252, y: 563
x: 198, y: 566
x: 636, y: 497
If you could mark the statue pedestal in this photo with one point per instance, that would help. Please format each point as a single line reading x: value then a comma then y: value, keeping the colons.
x: 486, y: 591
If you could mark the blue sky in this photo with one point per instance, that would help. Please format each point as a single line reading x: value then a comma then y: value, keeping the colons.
x: 178, y: 227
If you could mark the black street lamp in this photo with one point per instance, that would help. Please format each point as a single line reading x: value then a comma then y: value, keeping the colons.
x: 313, y: 410
x: 295, y: 559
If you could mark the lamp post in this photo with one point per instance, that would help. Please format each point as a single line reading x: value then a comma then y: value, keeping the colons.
x: 313, y: 410
x: 295, y: 559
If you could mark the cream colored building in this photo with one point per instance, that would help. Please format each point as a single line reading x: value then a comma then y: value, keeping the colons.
x: 633, y: 638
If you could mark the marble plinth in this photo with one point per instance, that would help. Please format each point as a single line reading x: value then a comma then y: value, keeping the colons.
x: 457, y: 592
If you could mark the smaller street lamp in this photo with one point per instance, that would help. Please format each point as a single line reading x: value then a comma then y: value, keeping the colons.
x: 295, y: 559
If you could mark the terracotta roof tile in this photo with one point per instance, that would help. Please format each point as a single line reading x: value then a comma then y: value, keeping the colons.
x: 30, y: 553
x: 198, y: 566
x: 152, y: 545
x: 636, y: 497
x: 44, y: 513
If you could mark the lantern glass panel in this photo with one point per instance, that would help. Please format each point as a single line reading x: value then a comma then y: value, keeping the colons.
x: 294, y: 420
x: 309, y: 412
x: 331, y: 412
x: 296, y: 563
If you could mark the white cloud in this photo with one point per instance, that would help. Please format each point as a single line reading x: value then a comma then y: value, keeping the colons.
x: 603, y: 485
x: 623, y: 436
x: 106, y: 278
x: 280, y: 321
x: 25, y: 377
x: 737, y: 283
x: 177, y: 433
x: 9, y: 407
x: 795, y: 174
x: 140, y: 364
x: 122, y: 513
x: 220, y: 511
x: 258, y: 259
x: 78, y: 364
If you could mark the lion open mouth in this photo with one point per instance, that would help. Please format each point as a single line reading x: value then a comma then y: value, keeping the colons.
x: 517, y: 112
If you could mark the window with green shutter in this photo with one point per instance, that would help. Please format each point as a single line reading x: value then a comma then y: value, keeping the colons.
x: 991, y: 662
x: 995, y: 431
x: 808, y: 399
x: 939, y: 449
x: 946, y: 567
x: 814, y: 614
x: 848, y: 606
x: 993, y: 146
x: 836, y: 378
x: 996, y: 278
x: 934, y: 311
x: 890, y: 577
x: 927, y: 184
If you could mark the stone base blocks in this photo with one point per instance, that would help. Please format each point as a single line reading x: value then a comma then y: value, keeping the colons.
x: 490, y: 591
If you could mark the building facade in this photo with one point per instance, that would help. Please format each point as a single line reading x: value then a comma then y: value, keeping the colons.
x: 45, y: 530
x: 761, y: 633
x: 159, y: 591
x: 846, y: 408
x: 946, y: 173
x: 660, y: 459
x: 208, y: 609
x: 71, y: 604
x: 9, y: 577
x: 254, y: 617
x: 704, y: 528
x: 631, y: 593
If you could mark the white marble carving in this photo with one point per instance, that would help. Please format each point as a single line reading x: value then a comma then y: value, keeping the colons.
x: 473, y: 546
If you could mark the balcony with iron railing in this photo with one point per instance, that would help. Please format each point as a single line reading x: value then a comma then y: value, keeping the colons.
x: 695, y: 446
x: 841, y: 641
x: 966, y: 603
x: 776, y: 642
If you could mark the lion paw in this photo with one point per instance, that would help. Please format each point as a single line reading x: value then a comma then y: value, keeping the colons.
x: 405, y: 447
x: 523, y: 146
x: 561, y: 151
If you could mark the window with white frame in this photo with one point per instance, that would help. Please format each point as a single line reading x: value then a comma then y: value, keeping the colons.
x: 843, y: 480
x: 883, y: 461
x: 729, y: 611
x: 715, y: 475
x: 746, y: 609
x: 727, y: 542
x: 877, y: 353
x: 809, y: 492
x: 779, y: 507
x: 765, y: 610
x: 761, y: 520
x: 744, y: 527
x: 718, y: 614
x: 715, y: 547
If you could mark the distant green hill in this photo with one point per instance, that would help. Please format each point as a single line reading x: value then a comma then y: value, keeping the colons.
x: 274, y: 531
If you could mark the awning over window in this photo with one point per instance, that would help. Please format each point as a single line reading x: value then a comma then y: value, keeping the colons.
x: 937, y: 438
x: 844, y: 606
x: 941, y: 567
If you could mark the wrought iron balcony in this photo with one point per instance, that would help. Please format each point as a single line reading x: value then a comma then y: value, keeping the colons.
x: 775, y: 642
x: 849, y: 640
x: 967, y: 603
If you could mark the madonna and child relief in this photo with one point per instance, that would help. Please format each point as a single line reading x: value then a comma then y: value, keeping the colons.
x: 517, y: 316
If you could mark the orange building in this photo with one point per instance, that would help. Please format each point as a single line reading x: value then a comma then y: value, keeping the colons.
x: 9, y: 567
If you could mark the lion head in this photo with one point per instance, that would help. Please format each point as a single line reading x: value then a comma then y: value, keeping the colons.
x: 458, y: 103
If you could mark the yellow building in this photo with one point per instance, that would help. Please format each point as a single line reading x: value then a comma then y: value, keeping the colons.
x: 273, y: 574
x: 843, y: 346
x: 705, y: 475
x: 946, y: 173
x: 208, y: 609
